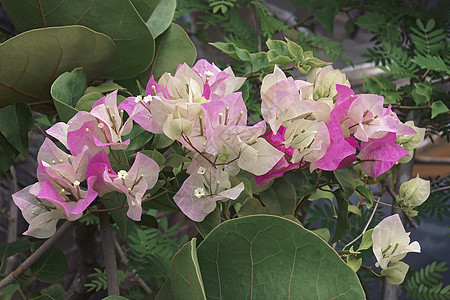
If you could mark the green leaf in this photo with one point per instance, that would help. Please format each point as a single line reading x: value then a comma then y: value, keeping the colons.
x: 161, y: 17
x: 54, y: 292
x: 105, y: 87
x: 87, y: 100
x: 366, y: 242
x: 7, y: 153
x: 165, y: 292
x: 16, y: 121
x: 148, y: 221
x: 67, y: 89
x: 51, y: 266
x: 342, y: 224
x: 233, y: 51
x: 168, y: 55
x: 156, y: 156
x: 324, y: 233
x: 434, y: 63
x: 8, y: 292
x: 355, y: 210
x: 176, y: 161
x: 185, y: 276
x: 209, y: 223
x: 437, y: 108
x: 355, y: 264
x: 364, y: 191
x: 300, y: 181
x: 138, y: 137
x: 251, y: 206
x: 295, y: 50
x: 114, y: 200
x: 345, y: 178
x: 32, y: 60
x: 241, y: 255
x: 6, y: 250
x: 161, y: 141
x: 326, y: 17
x: 395, y: 274
x: 116, y: 18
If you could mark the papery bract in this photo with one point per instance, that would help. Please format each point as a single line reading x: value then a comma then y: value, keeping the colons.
x: 379, y: 155
x: 391, y: 242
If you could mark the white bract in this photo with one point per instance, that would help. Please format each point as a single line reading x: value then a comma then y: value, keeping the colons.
x: 391, y: 242
x: 414, y: 192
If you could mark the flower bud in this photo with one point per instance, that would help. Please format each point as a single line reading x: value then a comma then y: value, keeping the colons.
x: 414, y: 192
x: 325, y: 80
x: 411, y: 141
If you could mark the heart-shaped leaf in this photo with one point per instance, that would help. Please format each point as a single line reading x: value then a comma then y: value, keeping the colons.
x: 116, y: 18
x: 31, y: 61
x: 270, y: 257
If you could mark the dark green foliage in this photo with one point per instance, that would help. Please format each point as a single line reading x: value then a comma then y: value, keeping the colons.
x: 151, y: 251
x: 99, y: 280
x: 438, y: 204
x: 426, y: 283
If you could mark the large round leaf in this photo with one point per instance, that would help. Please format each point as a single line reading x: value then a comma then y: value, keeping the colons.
x: 116, y: 18
x: 269, y: 257
x: 173, y: 47
x: 30, y: 62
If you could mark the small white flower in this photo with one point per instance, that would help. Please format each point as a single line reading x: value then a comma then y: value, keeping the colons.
x: 148, y: 99
x: 76, y: 183
x: 100, y: 125
x: 138, y: 98
x: 199, y: 192
x: 209, y: 73
x: 122, y: 174
x: 201, y: 170
x: 391, y: 242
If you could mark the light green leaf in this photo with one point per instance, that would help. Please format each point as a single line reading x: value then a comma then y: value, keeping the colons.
x: 116, y: 18
x: 32, y: 60
x: 185, y: 276
x: 355, y: 210
x: 51, y: 266
x: 87, y: 100
x: 67, y: 89
x: 161, y: 17
x: 396, y: 273
x: 364, y: 191
x: 355, y: 264
x: 241, y: 255
x: 138, y: 137
x: 295, y: 50
x: 437, y: 108
x: 366, y: 242
x: 324, y: 233
x: 434, y: 63
x: 16, y: 121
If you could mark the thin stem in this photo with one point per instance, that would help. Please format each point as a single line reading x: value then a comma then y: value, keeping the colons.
x: 12, y: 277
x: 109, y: 254
x: 382, y: 203
x: 307, y: 18
x: 440, y: 189
x: 365, y: 228
x: 126, y: 205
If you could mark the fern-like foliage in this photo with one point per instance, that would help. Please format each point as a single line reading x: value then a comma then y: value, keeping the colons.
x: 399, y: 64
x: 151, y: 251
x: 438, y: 204
x: 427, y: 40
x: 99, y: 280
x: 426, y: 284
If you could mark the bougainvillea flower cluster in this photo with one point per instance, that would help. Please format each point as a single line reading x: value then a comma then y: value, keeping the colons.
x: 317, y: 124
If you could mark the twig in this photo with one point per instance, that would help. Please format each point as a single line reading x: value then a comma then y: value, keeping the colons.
x: 365, y: 228
x: 34, y: 257
x: 301, y: 21
x: 12, y: 262
x: 109, y: 254
x: 440, y: 189
x: 125, y: 261
x: 394, y: 196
